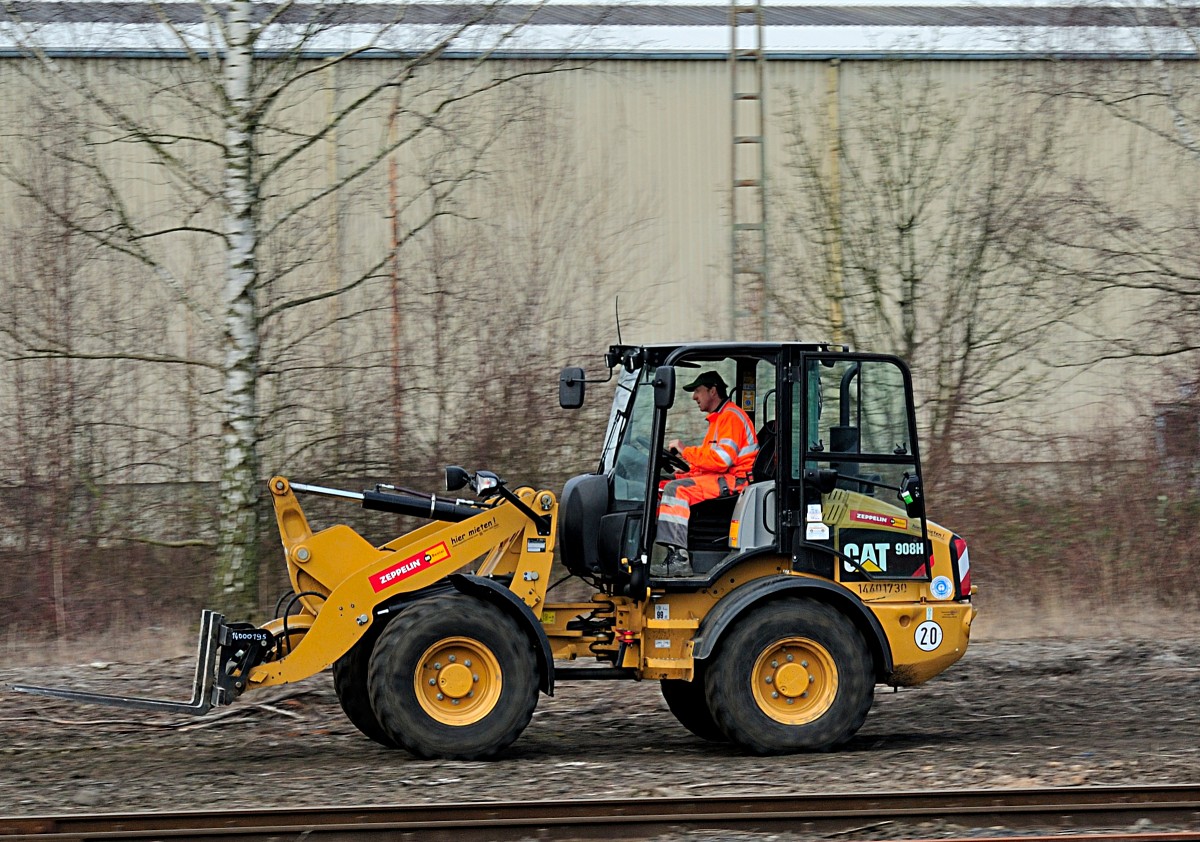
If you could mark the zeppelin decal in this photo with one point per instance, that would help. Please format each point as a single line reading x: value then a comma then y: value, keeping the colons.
x: 879, y: 520
x: 413, y: 564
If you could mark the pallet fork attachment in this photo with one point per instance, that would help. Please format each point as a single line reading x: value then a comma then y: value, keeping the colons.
x: 224, y: 654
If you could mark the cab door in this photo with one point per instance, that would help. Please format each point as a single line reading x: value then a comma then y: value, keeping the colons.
x: 854, y: 493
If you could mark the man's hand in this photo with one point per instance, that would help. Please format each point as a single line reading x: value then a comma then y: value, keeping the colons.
x: 675, y: 446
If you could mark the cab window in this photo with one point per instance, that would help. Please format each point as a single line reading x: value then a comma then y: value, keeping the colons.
x: 632, y: 461
x: 857, y: 409
x: 852, y: 417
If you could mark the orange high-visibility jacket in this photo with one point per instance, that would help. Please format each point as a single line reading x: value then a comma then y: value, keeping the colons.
x: 729, y: 445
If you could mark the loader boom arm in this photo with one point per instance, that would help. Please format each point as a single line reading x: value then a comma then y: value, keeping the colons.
x: 341, y: 581
x: 356, y: 577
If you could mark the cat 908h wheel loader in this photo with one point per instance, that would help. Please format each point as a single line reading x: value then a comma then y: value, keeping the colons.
x: 816, y: 581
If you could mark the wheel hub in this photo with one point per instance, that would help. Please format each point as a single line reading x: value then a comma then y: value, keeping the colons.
x: 791, y: 680
x: 795, y: 681
x: 458, y: 681
x: 455, y: 680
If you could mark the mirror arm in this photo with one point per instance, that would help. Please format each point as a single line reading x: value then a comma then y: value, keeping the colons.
x: 541, y: 522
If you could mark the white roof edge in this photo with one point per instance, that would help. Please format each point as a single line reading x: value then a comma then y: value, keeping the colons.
x: 638, y: 39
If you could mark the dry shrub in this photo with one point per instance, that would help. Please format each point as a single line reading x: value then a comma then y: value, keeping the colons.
x: 1087, y: 542
x: 1090, y: 540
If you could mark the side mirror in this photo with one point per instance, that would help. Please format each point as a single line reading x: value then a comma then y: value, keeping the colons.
x: 571, y: 388
x: 456, y: 477
x: 664, y: 387
x: 912, y: 496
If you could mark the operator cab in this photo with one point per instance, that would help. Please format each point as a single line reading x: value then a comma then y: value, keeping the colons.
x: 829, y: 424
x: 751, y: 379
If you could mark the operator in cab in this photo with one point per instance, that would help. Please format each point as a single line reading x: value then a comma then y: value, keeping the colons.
x: 720, y: 466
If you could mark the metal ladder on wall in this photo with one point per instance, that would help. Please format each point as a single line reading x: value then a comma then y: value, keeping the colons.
x: 748, y: 197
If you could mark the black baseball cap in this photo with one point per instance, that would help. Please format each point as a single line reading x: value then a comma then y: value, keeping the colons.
x: 707, y: 378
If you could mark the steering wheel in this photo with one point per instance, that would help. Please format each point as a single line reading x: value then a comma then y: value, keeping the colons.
x: 673, y: 461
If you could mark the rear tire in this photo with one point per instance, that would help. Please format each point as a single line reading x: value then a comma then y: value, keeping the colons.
x: 792, y: 675
x: 687, y: 702
x: 453, y: 677
x: 350, y: 685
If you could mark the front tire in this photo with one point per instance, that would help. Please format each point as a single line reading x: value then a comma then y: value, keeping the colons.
x: 792, y: 675
x: 353, y: 693
x: 453, y: 677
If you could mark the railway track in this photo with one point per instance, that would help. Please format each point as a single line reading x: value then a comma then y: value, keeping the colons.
x: 846, y: 816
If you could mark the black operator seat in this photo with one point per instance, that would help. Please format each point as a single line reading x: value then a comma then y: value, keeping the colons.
x: 764, y: 462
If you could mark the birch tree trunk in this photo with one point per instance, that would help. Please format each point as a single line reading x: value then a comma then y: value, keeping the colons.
x: 227, y: 125
x: 237, y: 563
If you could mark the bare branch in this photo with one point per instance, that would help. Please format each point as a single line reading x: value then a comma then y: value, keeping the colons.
x: 54, y: 353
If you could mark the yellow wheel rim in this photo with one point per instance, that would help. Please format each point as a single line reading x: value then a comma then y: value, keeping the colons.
x: 795, y: 681
x: 458, y: 681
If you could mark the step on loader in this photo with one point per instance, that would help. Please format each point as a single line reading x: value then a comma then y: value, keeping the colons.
x: 814, y: 579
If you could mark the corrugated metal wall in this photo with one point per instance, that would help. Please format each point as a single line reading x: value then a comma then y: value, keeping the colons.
x: 617, y: 172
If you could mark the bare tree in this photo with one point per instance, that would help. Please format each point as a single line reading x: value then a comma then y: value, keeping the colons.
x: 536, y: 287
x: 247, y: 131
x: 1136, y: 226
x: 913, y: 224
x: 60, y: 405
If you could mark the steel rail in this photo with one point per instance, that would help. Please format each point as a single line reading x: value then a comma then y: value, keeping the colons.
x: 1093, y: 836
x: 1062, y: 808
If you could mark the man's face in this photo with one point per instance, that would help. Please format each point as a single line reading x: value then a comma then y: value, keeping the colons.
x: 707, y: 398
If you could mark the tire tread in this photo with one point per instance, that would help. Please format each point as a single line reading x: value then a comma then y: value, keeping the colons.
x: 403, y: 642
x: 730, y: 696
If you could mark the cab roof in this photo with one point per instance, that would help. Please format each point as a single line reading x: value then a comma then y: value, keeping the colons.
x: 660, y: 353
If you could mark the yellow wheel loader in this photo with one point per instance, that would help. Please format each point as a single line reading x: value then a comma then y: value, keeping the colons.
x: 814, y: 580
